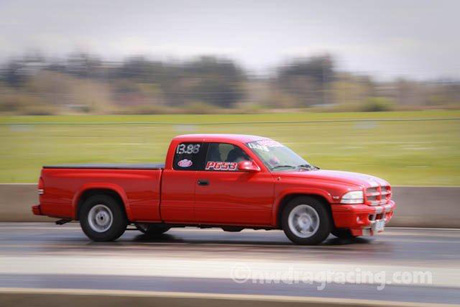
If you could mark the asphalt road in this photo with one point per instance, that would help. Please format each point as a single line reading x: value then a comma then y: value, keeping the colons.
x: 414, y: 265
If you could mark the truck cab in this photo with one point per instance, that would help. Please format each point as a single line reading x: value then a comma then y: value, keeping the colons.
x: 216, y: 180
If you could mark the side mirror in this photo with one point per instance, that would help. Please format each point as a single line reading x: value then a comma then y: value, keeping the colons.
x: 248, y: 166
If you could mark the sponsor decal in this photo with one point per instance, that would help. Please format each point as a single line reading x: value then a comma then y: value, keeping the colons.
x: 185, y: 163
x: 221, y: 166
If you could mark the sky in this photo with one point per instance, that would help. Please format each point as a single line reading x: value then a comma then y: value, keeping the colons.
x: 388, y: 39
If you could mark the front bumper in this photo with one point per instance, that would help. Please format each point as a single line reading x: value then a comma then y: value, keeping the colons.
x: 363, y: 219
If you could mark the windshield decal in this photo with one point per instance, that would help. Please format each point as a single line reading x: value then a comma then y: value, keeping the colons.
x: 264, y: 145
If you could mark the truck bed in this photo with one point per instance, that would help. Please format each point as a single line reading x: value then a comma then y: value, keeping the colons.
x: 148, y: 166
x: 138, y: 186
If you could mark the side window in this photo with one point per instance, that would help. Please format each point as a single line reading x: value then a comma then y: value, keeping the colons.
x: 224, y: 157
x: 189, y: 157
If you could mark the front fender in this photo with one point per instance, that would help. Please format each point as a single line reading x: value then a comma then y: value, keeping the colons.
x: 296, y: 191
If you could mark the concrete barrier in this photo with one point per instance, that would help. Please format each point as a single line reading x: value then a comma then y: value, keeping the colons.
x: 416, y: 206
x: 16, y: 201
x: 90, y: 298
x: 434, y: 207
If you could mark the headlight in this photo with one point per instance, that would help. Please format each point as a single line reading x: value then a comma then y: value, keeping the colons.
x: 354, y: 197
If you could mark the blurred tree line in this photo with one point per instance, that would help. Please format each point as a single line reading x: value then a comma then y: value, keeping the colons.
x: 83, y: 83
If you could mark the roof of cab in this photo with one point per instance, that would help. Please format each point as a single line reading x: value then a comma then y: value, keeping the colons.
x: 219, y: 137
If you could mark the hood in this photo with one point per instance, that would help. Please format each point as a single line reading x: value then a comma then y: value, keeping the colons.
x: 340, y: 177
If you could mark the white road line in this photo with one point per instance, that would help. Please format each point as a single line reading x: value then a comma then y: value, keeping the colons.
x: 163, y: 266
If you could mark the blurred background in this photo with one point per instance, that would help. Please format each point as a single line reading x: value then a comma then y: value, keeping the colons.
x: 363, y: 86
x: 369, y: 86
x: 149, y: 57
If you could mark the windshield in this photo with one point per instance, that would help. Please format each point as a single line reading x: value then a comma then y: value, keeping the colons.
x: 276, y: 156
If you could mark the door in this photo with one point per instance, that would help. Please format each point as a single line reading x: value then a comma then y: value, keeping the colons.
x: 224, y: 195
x: 179, y: 183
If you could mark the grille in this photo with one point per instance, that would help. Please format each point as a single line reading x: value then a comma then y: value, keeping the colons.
x: 378, y: 195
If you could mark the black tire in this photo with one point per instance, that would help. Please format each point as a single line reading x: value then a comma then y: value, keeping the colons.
x: 152, y: 229
x: 112, y: 211
x: 318, y: 233
x: 343, y: 233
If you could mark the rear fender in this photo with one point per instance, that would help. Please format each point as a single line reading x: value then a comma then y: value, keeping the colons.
x: 105, y: 186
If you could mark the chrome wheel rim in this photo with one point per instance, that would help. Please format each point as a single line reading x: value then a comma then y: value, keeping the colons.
x: 303, y: 221
x: 100, y: 218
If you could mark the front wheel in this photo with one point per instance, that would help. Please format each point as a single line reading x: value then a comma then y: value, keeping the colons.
x: 306, y: 221
x: 102, y: 218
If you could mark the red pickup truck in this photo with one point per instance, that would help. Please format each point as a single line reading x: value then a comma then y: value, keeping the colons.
x: 217, y: 180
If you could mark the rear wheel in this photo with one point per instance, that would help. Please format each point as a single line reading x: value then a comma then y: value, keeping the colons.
x: 102, y: 218
x: 306, y: 221
x: 151, y: 229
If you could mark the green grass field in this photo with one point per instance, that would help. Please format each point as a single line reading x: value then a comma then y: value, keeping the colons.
x: 406, y: 148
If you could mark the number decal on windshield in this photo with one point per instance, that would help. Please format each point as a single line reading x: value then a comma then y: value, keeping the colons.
x: 190, y: 149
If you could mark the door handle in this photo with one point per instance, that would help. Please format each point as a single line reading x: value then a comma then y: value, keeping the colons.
x: 203, y: 182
